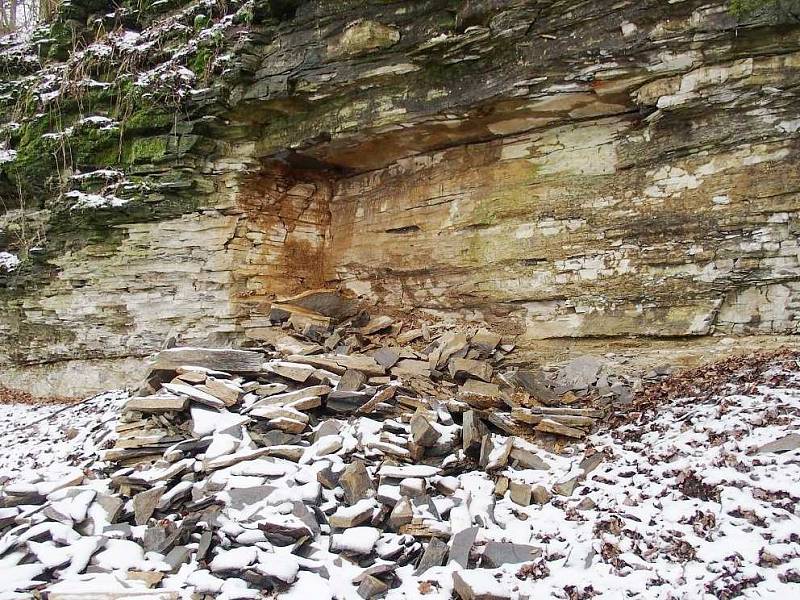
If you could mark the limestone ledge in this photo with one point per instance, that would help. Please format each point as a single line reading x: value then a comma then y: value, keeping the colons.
x: 76, y: 378
x: 166, y: 278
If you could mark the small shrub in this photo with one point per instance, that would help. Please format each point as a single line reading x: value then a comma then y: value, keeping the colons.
x: 772, y: 9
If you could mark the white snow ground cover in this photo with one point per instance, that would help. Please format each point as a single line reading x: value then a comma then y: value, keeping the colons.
x: 32, y: 447
x: 682, y: 506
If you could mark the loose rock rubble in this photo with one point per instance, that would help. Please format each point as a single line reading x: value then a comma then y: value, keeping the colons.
x: 333, y: 475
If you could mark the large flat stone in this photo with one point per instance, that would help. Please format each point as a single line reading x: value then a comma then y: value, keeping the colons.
x: 785, y: 444
x: 158, y: 403
x: 497, y: 554
x: 478, y: 585
x: 461, y: 545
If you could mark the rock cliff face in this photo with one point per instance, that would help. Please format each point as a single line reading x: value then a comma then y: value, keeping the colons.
x: 568, y: 171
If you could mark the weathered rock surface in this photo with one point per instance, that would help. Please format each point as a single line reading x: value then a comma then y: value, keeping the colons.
x: 568, y: 170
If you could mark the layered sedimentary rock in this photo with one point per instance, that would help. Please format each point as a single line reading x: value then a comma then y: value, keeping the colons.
x: 563, y: 170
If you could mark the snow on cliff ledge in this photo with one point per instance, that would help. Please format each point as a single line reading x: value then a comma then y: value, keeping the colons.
x: 8, y: 261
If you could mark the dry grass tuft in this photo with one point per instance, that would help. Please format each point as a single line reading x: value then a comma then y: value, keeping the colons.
x: 13, y: 396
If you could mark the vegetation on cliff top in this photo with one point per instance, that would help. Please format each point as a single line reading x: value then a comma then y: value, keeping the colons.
x: 91, y: 110
x: 777, y: 8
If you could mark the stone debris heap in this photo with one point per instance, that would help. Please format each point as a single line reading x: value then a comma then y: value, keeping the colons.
x: 239, y: 471
x: 225, y: 479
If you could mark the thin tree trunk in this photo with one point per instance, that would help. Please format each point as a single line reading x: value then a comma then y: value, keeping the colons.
x: 47, y: 9
x: 3, y: 17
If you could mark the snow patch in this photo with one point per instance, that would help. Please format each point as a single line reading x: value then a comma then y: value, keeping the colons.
x: 83, y: 200
x: 8, y: 262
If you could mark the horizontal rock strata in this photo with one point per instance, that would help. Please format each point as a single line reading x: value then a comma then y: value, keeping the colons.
x: 572, y: 171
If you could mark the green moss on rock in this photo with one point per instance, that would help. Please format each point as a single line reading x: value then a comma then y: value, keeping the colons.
x: 145, y: 150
